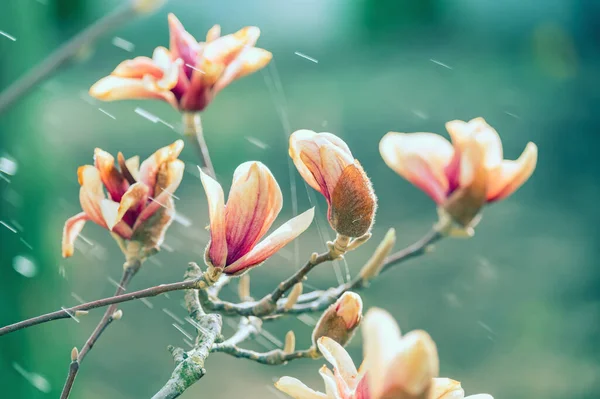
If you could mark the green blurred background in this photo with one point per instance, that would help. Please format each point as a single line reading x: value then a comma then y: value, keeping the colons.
x: 514, y: 310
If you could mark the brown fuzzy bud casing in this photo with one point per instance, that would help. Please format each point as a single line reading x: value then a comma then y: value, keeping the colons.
x: 340, y: 320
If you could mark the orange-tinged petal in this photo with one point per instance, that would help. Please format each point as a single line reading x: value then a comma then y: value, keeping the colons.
x: 249, y: 61
x: 213, y: 33
x: 91, y: 194
x: 217, y: 252
x: 421, y: 158
x: 127, y: 172
x: 462, y: 132
x: 445, y: 388
x: 164, y: 199
x: 110, y: 212
x: 297, y: 390
x: 248, y: 35
x: 113, y: 180
x: 112, y: 88
x: 512, y: 174
x: 73, y: 227
x: 414, y: 366
x: 137, y: 68
x: 381, y: 343
x: 272, y: 243
x: 349, y: 308
x: 224, y: 49
x: 149, y: 168
x: 339, y: 359
x: 253, y: 204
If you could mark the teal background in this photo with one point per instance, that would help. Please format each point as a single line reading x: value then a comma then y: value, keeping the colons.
x: 514, y: 310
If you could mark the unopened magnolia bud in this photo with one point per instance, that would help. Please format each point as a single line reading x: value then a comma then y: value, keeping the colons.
x: 290, y: 342
x: 79, y: 313
x: 117, y: 315
x: 373, y: 266
x: 293, y: 296
x: 74, y: 354
x: 340, y: 320
x: 244, y: 287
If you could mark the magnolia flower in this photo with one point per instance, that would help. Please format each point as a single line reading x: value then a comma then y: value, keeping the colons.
x: 340, y: 320
x: 395, y: 367
x: 190, y: 73
x: 237, y: 227
x: 463, y: 175
x: 327, y: 165
x: 139, y: 206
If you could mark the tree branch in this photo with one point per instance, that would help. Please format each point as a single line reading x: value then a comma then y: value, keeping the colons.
x: 70, y: 49
x: 74, y: 311
x: 190, y: 365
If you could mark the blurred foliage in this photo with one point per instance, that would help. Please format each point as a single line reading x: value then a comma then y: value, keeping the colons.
x: 514, y: 311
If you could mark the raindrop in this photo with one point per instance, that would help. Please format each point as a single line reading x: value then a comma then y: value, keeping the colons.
x: 8, y: 165
x: 25, y: 266
x: 34, y: 379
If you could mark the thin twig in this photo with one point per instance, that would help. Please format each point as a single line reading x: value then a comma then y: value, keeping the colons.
x: 66, y: 52
x: 73, y: 369
x: 128, y: 272
x: 274, y: 357
x: 69, y: 312
x: 192, y: 129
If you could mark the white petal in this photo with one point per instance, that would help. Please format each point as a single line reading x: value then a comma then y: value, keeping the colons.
x: 297, y: 390
x: 339, y: 358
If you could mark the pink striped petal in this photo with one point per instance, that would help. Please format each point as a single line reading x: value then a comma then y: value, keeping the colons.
x: 511, y: 175
x: 149, y: 168
x: 73, y: 227
x: 340, y: 360
x: 181, y: 43
x: 137, y: 68
x: 217, y: 252
x: 253, y: 204
x: 164, y: 199
x: 272, y: 243
x: 113, y: 180
x: 421, y: 158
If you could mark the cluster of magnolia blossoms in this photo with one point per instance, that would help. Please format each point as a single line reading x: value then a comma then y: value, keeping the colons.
x: 139, y: 207
x: 189, y: 74
x: 394, y: 367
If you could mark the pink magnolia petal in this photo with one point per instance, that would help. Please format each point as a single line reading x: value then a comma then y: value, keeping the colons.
x: 112, y: 88
x: 134, y: 199
x: 421, y: 158
x: 248, y: 35
x: 480, y: 396
x: 181, y: 43
x: 297, y: 390
x: 223, y: 50
x: 512, y: 174
x: 272, y: 243
x: 164, y: 199
x: 91, y: 194
x: 339, y: 359
x: 110, y: 212
x: 137, y: 68
x: 249, y: 61
x: 253, y: 204
x: 462, y: 132
x: 149, y: 168
x: 333, y: 163
x: 73, y: 227
x: 381, y: 343
x: 113, y: 180
x: 217, y: 252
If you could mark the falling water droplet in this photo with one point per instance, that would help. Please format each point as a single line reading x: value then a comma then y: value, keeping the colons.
x: 8, y: 165
x: 25, y: 266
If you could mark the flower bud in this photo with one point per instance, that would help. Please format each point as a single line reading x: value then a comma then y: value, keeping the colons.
x: 327, y: 165
x: 340, y: 320
x: 293, y: 296
x: 290, y: 342
x: 373, y: 266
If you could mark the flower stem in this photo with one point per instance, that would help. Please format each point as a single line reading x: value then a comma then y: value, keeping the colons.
x: 73, y: 369
x: 192, y: 128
